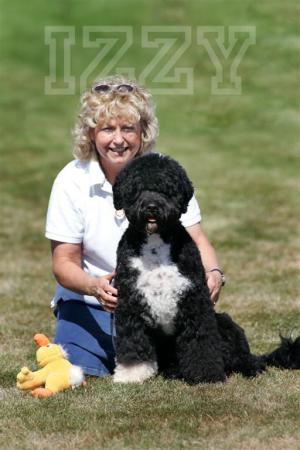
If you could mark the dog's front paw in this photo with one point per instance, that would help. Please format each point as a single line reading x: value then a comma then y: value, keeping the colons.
x: 135, y: 373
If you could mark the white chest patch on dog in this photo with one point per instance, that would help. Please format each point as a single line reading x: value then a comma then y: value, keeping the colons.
x: 160, y: 281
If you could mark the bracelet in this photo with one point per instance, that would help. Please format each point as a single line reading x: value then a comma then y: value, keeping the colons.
x: 216, y: 269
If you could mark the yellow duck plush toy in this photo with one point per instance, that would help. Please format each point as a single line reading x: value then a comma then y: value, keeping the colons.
x: 56, y: 373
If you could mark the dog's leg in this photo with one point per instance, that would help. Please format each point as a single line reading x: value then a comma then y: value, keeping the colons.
x: 200, y: 361
x: 136, y: 359
x: 134, y: 373
x: 198, y: 343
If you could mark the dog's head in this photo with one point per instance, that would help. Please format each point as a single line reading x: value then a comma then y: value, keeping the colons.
x: 153, y: 190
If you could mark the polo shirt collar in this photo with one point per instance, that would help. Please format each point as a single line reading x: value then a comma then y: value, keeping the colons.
x: 98, y: 177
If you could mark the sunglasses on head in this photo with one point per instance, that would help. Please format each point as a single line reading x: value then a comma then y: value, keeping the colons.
x: 113, y: 87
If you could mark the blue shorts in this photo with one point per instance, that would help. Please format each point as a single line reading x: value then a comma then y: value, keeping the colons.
x: 85, y: 331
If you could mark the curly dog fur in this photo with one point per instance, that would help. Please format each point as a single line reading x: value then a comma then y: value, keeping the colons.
x: 165, y: 321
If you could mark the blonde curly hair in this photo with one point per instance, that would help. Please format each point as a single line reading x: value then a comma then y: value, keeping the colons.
x: 134, y: 105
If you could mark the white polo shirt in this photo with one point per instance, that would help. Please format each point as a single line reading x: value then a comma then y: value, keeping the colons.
x: 81, y: 210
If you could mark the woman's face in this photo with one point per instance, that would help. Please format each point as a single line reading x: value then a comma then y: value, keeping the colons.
x: 117, y: 141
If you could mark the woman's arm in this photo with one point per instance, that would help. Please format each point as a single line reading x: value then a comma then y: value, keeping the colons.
x: 209, y: 260
x: 66, y: 264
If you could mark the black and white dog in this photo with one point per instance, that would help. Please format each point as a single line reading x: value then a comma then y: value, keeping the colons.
x: 165, y: 321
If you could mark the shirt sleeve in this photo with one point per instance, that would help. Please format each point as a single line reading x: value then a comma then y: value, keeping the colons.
x: 193, y: 214
x: 65, y: 220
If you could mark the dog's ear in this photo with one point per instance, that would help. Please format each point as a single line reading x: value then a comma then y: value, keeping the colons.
x: 124, y: 188
x: 118, y: 191
x: 186, y: 187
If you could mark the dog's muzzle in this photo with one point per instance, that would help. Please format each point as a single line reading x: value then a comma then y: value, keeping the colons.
x: 151, y: 226
x: 151, y: 212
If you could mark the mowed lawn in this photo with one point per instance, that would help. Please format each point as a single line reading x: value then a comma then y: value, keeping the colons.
x: 242, y: 153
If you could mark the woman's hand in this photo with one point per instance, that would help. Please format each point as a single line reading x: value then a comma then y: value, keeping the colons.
x: 67, y: 269
x: 214, y: 283
x: 105, y: 292
x: 209, y: 259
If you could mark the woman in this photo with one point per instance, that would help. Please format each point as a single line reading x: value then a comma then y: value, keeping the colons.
x: 116, y: 124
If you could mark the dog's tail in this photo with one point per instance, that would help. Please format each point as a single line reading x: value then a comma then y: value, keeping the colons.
x: 286, y: 356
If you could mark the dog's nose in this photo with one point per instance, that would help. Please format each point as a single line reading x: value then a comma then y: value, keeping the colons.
x: 151, y: 208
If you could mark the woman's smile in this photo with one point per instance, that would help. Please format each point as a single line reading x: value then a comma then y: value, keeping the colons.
x: 117, y: 142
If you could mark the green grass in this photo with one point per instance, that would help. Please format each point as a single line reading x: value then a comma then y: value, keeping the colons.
x: 242, y: 153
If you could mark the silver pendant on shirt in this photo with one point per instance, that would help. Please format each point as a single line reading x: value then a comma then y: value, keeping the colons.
x: 119, y: 213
